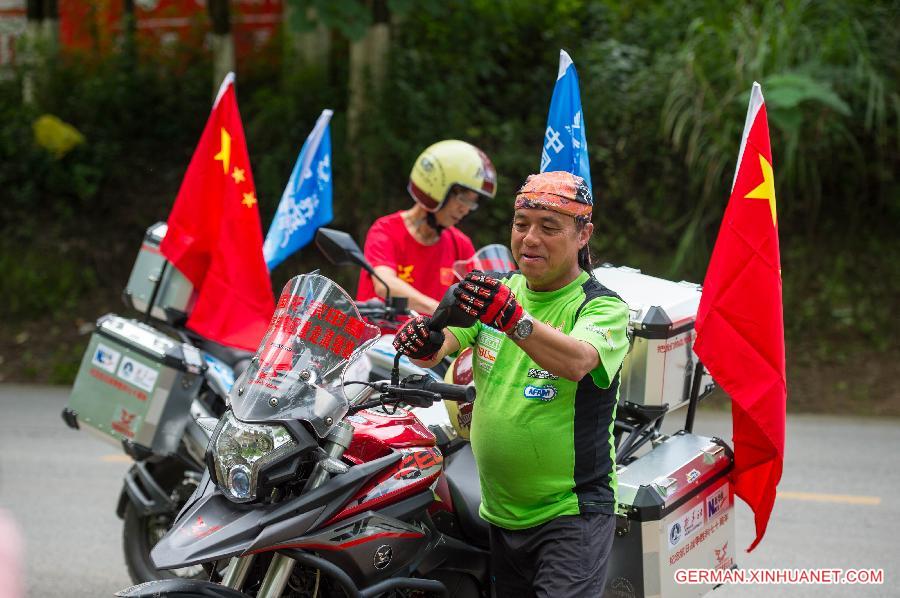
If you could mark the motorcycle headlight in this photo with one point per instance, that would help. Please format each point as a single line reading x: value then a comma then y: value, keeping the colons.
x: 241, y: 450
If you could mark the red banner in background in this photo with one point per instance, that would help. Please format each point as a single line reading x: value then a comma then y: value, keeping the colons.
x: 12, y: 25
x: 98, y: 23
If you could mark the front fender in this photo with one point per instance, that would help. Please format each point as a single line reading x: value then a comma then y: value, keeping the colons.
x: 180, y: 588
x: 211, y: 527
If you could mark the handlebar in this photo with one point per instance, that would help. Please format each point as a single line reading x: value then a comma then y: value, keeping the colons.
x: 417, y: 390
x: 450, y: 392
x: 376, y: 309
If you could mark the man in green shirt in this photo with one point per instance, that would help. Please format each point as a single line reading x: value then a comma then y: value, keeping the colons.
x: 548, y: 345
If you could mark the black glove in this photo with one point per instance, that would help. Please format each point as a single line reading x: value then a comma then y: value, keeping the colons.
x: 415, y: 339
x: 489, y: 300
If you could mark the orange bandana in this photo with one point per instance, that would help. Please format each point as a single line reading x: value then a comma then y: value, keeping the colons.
x: 558, y: 191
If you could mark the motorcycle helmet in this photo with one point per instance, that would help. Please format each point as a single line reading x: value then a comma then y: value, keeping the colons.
x: 448, y: 163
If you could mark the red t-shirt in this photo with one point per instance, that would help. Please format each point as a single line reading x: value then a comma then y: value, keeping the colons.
x: 428, y: 268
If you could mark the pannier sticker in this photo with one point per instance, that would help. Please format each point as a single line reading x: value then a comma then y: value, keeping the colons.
x: 686, y: 525
x: 693, y: 520
x: 692, y: 476
x: 125, y: 422
x: 717, y: 501
x: 723, y: 559
x: 675, y: 534
x: 106, y: 358
x: 137, y: 374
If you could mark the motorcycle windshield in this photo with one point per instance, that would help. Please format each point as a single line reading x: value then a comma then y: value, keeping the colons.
x: 297, y: 373
x: 491, y: 258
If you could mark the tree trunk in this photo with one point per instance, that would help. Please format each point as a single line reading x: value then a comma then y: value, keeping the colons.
x: 129, y: 34
x: 30, y: 48
x: 368, y: 66
x: 50, y: 27
x: 311, y: 48
x: 222, y: 41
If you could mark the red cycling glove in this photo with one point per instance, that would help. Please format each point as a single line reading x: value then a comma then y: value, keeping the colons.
x: 415, y: 339
x: 489, y: 300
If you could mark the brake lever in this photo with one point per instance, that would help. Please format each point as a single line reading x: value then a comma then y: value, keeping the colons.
x: 412, y: 393
x: 395, y: 394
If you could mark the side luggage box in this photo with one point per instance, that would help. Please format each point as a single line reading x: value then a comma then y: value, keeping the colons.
x: 135, y: 384
x: 661, y: 363
x: 678, y: 504
x: 156, y: 287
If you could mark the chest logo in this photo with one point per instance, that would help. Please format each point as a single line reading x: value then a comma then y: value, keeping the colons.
x: 543, y: 393
x: 404, y: 273
x: 541, y: 374
x: 447, y: 277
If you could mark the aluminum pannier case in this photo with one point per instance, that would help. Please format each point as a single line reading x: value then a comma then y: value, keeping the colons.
x: 135, y: 383
x: 156, y: 287
x: 660, y: 364
x: 676, y: 512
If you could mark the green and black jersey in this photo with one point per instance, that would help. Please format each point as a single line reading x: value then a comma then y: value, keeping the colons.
x: 543, y: 444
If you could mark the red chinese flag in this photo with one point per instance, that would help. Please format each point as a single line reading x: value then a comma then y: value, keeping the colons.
x: 740, y: 327
x: 215, y: 236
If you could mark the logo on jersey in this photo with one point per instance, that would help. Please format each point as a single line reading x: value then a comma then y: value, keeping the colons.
x: 542, y: 393
x: 604, y: 333
x: 487, y: 347
x: 541, y: 374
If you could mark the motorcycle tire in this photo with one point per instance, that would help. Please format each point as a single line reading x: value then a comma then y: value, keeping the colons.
x: 141, y: 532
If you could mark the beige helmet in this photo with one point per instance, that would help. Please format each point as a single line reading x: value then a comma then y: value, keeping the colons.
x: 448, y: 163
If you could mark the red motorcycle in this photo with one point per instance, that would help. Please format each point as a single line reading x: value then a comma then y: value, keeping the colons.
x: 315, y: 488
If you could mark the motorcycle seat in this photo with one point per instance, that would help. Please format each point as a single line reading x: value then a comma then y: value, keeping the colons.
x: 237, y: 359
x: 465, y: 491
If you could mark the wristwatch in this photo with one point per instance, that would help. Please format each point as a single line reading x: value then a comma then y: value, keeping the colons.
x: 523, y: 328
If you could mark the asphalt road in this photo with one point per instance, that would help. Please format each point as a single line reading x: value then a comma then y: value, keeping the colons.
x: 839, y: 502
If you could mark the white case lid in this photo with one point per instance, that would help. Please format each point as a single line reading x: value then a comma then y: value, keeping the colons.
x: 679, y: 300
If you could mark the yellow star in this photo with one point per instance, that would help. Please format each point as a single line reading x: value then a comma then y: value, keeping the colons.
x: 238, y: 175
x: 404, y: 273
x: 224, y: 154
x: 249, y: 199
x: 766, y: 189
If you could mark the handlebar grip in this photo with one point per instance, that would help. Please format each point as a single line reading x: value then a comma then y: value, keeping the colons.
x: 452, y: 392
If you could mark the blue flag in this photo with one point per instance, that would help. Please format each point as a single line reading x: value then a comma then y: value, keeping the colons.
x: 565, y: 139
x: 306, y: 202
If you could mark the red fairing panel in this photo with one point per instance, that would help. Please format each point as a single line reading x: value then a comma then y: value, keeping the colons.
x: 377, y: 433
x: 418, y: 469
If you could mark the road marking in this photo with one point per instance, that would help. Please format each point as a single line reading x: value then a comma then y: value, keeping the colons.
x: 847, y: 499
x: 116, y: 458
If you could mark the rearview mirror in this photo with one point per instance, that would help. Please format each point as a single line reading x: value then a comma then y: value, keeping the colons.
x: 340, y: 249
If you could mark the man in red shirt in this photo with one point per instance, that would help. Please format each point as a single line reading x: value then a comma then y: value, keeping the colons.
x: 413, y: 250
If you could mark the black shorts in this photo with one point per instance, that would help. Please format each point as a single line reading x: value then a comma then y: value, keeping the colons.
x: 565, y: 557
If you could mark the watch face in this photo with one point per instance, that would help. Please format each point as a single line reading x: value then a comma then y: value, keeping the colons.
x: 524, y: 327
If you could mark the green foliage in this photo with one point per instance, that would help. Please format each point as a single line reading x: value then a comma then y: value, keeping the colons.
x: 38, y: 283
x: 72, y: 224
x: 818, y: 76
x: 351, y: 18
x: 665, y: 87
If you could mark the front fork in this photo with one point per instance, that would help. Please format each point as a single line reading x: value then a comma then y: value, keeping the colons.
x: 279, y: 571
